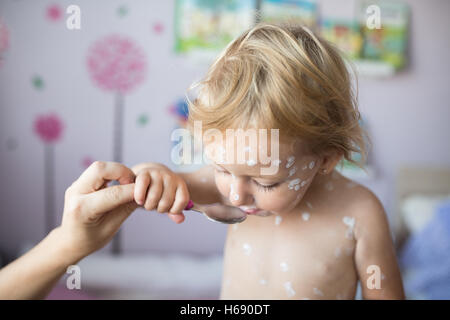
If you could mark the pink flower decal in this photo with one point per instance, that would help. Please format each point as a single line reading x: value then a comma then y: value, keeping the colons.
x: 116, y: 64
x: 4, y: 39
x: 54, y: 12
x: 158, y: 27
x: 48, y: 127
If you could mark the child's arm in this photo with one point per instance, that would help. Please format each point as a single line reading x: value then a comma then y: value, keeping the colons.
x: 375, y: 255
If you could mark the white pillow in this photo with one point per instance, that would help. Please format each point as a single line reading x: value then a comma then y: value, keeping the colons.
x: 417, y: 210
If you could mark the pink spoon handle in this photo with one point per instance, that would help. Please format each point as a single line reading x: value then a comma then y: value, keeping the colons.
x: 189, y: 205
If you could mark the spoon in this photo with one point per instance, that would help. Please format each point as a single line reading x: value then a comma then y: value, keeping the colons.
x: 218, y: 212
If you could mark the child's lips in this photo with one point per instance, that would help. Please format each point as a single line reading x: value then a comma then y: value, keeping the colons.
x: 249, y: 210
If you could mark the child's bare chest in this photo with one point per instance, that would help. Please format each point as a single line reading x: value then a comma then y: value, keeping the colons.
x: 302, y: 258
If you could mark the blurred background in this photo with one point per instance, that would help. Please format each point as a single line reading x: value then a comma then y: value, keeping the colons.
x: 111, y: 86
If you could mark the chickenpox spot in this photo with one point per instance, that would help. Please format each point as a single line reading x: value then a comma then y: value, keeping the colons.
x: 284, y: 266
x: 350, y: 223
x: 289, y: 290
x: 292, y: 171
x: 293, y: 183
x: 278, y: 220
x: 317, y: 292
x: 290, y: 162
x: 306, y: 216
x: 312, y: 164
x: 247, y: 249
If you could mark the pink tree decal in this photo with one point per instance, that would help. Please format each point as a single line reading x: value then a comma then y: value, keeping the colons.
x: 4, y: 40
x: 49, y: 129
x: 117, y: 65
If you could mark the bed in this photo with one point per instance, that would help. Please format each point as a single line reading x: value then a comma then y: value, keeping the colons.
x: 422, y: 229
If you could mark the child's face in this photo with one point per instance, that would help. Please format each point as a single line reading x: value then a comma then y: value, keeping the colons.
x: 278, y: 193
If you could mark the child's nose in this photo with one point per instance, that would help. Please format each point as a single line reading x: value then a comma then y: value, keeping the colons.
x: 239, y: 194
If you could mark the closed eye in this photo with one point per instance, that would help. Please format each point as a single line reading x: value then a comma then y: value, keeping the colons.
x: 266, y: 187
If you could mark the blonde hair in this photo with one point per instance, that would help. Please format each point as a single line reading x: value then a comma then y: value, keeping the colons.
x: 285, y: 77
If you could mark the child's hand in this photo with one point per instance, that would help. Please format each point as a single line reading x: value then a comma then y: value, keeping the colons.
x: 157, y: 187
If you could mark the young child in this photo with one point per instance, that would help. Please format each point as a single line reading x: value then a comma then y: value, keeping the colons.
x: 310, y: 233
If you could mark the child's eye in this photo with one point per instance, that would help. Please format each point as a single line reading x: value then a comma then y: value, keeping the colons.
x: 222, y: 172
x: 266, y: 187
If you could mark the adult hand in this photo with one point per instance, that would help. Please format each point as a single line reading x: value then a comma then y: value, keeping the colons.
x: 92, y: 215
x: 93, y: 212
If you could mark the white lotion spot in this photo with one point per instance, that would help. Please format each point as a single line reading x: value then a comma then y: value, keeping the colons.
x: 312, y: 164
x: 251, y: 162
x: 247, y: 249
x: 350, y: 223
x: 278, y: 220
x: 306, y: 216
x: 318, y: 292
x: 292, y: 171
x: 309, y: 205
x: 236, y: 197
x: 289, y: 290
x: 290, y: 162
x: 284, y: 266
x: 297, y: 187
x: 293, y: 183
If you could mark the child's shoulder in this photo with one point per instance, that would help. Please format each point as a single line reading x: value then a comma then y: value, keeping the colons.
x: 359, y: 202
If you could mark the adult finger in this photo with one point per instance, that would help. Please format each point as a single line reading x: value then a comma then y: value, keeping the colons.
x: 97, y: 203
x: 98, y: 173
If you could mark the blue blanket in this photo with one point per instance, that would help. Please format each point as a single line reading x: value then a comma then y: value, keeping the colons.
x: 425, y: 258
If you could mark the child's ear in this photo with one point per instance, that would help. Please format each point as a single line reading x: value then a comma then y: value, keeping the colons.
x: 329, y: 161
